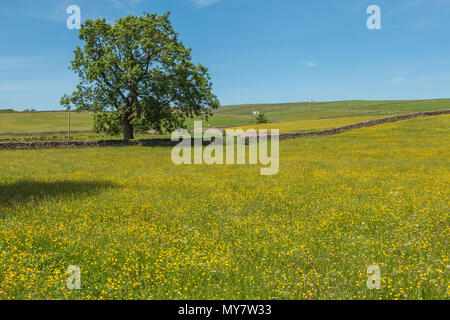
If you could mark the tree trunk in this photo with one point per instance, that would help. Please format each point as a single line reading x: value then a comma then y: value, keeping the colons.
x: 127, y: 130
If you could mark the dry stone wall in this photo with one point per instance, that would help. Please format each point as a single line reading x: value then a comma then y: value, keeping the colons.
x: 168, y: 142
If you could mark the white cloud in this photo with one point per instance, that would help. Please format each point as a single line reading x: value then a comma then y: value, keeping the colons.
x: 204, y: 3
x: 310, y: 64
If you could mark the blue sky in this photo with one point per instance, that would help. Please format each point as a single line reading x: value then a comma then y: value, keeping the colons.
x: 258, y: 51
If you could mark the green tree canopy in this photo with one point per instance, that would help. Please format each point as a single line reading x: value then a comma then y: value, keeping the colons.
x: 138, y: 72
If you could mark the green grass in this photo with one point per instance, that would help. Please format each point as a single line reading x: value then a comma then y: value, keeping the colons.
x: 228, y: 116
x: 82, y: 121
x: 389, y: 105
x: 318, y: 110
x: 20, y: 122
x: 219, y: 120
x: 140, y: 227
x: 76, y: 136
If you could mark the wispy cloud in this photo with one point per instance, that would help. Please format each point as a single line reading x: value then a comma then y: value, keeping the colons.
x: 395, y: 80
x: 310, y: 64
x: 203, y: 3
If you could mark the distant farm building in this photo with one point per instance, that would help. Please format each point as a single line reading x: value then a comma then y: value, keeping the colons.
x: 255, y: 112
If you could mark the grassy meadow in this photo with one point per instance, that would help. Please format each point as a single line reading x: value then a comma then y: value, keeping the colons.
x: 309, y: 125
x: 28, y: 122
x: 322, y: 114
x: 140, y: 227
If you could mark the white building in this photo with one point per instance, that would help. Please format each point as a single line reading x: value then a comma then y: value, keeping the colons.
x: 255, y: 112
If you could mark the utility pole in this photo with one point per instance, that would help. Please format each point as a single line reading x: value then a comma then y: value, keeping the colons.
x: 68, y: 123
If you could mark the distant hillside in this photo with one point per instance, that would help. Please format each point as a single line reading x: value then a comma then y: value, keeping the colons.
x: 285, y: 111
x: 238, y: 115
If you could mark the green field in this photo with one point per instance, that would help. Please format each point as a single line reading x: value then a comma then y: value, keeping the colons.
x: 376, y: 105
x: 227, y: 116
x: 140, y: 227
x: 28, y: 122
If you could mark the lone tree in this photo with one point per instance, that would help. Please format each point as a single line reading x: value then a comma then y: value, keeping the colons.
x: 136, y: 75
